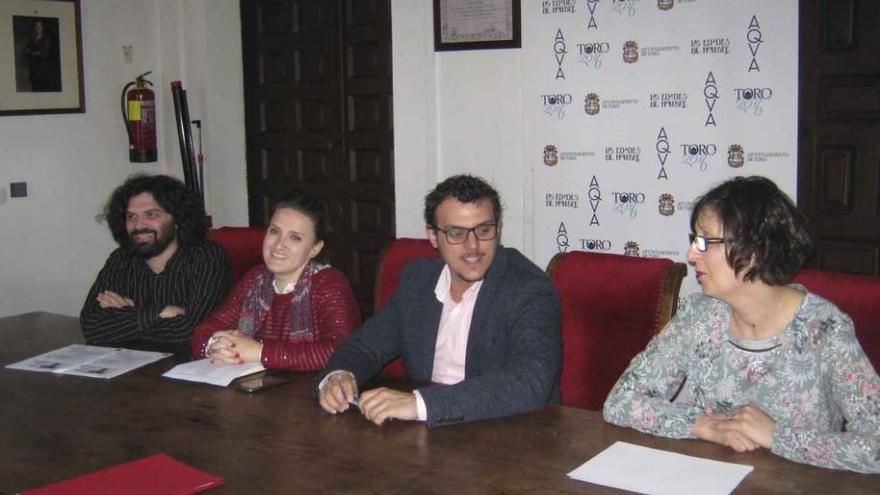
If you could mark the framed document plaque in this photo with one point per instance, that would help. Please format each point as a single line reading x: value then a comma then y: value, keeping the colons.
x: 476, y: 24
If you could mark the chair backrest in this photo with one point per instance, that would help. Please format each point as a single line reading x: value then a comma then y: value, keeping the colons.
x: 244, y: 245
x: 856, y: 295
x: 391, y: 262
x: 393, y: 258
x: 611, y: 307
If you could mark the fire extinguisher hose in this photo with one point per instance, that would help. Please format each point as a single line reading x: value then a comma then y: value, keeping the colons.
x: 125, y: 111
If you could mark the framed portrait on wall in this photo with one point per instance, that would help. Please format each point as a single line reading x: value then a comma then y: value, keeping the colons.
x: 476, y: 24
x: 41, y: 70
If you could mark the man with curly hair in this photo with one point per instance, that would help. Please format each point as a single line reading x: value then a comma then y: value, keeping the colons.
x: 165, y: 277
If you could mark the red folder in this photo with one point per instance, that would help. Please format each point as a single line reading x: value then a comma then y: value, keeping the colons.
x: 155, y: 475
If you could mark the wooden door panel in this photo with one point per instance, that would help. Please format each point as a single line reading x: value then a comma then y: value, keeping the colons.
x: 835, y: 168
x: 369, y: 165
x: 850, y: 97
x: 839, y: 151
x: 317, y: 95
x: 845, y: 168
x: 847, y: 256
x: 310, y: 16
x: 369, y: 141
x: 274, y: 115
x: 273, y: 18
x: 838, y: 25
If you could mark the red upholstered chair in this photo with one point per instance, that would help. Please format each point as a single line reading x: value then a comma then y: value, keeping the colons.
x: 244, y: 245
x: 611, y: 307
x: 856, y: 295
x: 391, y: 262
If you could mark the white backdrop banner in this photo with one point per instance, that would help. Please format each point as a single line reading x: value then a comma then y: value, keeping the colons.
x: 633, y: 108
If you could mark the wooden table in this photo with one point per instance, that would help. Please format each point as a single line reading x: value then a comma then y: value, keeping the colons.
x: 279, y: 440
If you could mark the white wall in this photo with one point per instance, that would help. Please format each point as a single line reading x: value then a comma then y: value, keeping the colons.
x: 456, y: 112
x: 201, y: 46
x: 52, y: 247
x: 415, y: 111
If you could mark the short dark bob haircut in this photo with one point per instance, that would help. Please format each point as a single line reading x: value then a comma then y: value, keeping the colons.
x: 313, y: 208
x: 465, y: 188
x: 171, y: 194
x: 765, y: 234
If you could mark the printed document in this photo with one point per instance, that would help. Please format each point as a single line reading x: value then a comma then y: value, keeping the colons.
x: 89, y: 360
x: 204, y: 371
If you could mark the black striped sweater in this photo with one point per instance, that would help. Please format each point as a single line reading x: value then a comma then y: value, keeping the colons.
x: 197, y: 278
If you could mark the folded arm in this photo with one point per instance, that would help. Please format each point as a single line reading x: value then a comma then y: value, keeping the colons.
x: 207, y: 282
x: 105, y: 316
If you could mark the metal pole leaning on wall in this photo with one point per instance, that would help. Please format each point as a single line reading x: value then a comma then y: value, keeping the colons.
x: 184, y: 136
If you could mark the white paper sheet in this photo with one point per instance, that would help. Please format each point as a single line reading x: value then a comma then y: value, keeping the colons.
x: 658, y: 472
x: 87, y: 360
x: 215, y: 374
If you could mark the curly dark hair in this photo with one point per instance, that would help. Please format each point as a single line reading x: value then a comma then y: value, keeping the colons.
x: 465, y: 188
x: 765, y: 234
x: 171, y: 194
x: 313, y: 208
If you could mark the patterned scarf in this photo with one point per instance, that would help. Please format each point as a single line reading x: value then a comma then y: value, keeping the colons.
x: 258, y: 300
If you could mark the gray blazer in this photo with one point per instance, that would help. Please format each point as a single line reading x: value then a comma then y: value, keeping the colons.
x: 514, y: 348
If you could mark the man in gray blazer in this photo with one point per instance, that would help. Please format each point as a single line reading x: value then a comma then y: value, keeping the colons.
x: 481, y: 323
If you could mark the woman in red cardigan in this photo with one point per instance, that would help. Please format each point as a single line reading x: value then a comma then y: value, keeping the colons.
x: 291, y: 312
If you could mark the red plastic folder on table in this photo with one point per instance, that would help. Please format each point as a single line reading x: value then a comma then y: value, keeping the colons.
x: 155, y: 475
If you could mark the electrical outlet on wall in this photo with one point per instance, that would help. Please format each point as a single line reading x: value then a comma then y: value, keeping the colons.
x: 18, y: 189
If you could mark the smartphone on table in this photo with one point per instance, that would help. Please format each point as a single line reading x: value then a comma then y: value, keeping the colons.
x: 257, y: 383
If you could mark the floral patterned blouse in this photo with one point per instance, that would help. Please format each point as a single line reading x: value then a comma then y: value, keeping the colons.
x: 809, y: 379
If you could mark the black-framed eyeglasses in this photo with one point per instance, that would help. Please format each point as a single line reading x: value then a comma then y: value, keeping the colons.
x: 458, y: 235
x: 702, y: 242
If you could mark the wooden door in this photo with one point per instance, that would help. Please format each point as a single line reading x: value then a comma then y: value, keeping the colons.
x: 318, y: 119
x: 839, y: 138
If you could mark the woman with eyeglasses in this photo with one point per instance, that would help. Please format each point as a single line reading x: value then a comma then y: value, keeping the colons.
x: 290, y: 312
x: 754, y: 362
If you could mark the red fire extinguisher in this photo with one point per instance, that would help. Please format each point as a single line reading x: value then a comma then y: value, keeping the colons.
x: 139, y: 114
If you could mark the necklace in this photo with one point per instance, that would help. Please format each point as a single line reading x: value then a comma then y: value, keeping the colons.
x: 760, y: 345
x: 755, y: 350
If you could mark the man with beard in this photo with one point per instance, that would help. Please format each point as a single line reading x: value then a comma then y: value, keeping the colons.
x: 481, y: 322
x: 165, y: 277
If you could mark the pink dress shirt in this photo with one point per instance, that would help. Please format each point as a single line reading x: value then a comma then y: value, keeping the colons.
x: 452, y: 336
x: 450, y: 350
